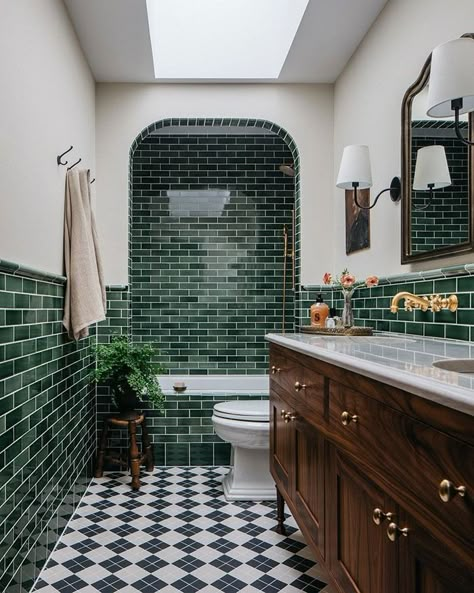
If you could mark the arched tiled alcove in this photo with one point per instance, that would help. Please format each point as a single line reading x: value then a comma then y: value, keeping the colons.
x: 147, y: 212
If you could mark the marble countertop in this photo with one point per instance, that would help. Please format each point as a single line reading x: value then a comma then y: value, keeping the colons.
x: 400, y: 360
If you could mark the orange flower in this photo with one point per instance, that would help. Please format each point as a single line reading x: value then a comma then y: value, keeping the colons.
x: 327, y: 278
x: 347, y: 280
x: 371, y: 281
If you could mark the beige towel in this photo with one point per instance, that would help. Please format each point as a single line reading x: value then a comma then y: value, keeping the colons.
x: 85, y: 301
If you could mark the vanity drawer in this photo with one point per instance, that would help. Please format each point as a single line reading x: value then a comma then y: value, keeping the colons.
x: 311, y: 391
x: 283, y: 371
x: 305, y: 388
x: 410, y: 457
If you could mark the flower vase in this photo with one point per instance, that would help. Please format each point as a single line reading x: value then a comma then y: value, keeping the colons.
x: 347, y: 312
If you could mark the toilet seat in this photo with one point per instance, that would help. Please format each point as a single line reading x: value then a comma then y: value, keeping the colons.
x: 247, y: 410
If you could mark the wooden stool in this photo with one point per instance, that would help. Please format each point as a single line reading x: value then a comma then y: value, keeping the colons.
x: 134, y: 459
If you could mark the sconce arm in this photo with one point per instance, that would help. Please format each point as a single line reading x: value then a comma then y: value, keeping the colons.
x: 428, y: 203
x: 456, y: 105
x: 394, y: 189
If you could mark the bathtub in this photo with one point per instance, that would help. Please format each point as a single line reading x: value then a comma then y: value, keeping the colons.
x: 217, y: 384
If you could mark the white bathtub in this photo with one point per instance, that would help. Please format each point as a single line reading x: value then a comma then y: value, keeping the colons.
x: 217, y: 384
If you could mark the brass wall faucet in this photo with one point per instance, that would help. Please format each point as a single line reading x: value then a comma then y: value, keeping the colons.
x: 434, y: 302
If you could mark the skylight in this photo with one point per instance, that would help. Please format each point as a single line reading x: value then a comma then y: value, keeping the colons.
x: 222, y: 39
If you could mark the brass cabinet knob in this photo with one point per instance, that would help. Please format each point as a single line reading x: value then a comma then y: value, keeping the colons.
x: 299, y: 386
x: 275, y: 370
x: 447, y: 490
x: 289, y: 417
x: 379, y: 516
x: 283, y: 413
x: 348, y: 418
x: 394, y: 532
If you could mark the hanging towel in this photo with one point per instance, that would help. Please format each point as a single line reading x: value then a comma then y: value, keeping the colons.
x: 85, y: 301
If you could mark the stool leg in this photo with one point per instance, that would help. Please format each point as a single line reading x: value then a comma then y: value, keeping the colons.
x: 150, y: 462
x: 134, y: 456
x: 99, y: 464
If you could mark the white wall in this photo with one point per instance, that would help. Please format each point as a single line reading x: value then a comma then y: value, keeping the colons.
x: 46, y: 104
x: 368, y: 97
x: 305, y: 111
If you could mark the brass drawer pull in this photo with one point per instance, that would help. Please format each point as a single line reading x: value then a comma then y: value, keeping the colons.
x: 447, y: 490
x: 348, y: 418
x: 394, y: 532
x: 379, y: 516
x: 299, y: 386
x: 275, y: 370
x: 290, y: 417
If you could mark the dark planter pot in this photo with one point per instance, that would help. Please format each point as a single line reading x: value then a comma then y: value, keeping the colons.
x: 126, y: 401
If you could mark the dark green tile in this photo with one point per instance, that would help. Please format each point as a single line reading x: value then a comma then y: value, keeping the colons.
x: 177, y: 454
x: 465, y: 316
x: 466, y: 284
x: 435, y: 331
x: 222, y: 453
x: 457, y: 332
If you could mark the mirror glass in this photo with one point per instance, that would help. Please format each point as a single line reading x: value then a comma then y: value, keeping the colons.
x: 444, y: 226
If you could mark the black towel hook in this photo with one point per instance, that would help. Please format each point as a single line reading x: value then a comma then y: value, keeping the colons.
x: 74, y: 164
x: 92, y: 181
x: 60, y: 156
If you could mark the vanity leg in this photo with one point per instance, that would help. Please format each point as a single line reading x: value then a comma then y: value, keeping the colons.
x: 280, y: 528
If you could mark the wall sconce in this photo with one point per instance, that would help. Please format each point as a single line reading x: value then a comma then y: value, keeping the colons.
x: 355, y: 173
x: 451, y: 88
x: 431, y: 172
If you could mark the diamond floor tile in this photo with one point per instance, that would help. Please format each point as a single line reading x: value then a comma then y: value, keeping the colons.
x: 177, y: 535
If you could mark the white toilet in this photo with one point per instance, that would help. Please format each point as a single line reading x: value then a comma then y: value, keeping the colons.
x: 245, y: 425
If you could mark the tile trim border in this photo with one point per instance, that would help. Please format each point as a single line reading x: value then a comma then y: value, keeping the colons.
x: 439, y: 273
x: 26, y: 271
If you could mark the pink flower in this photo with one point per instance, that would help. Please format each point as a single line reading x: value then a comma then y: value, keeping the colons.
x: 347, y: 280
x: 371, y: 281
x: 327, y: 278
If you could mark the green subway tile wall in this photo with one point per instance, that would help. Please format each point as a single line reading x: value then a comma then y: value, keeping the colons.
x: 47, y: 423
x: 207, y: 285
x: 183, y: 434
x: 372, y: 305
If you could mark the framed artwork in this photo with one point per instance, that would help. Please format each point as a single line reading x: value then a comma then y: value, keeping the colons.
x: 357, y: 221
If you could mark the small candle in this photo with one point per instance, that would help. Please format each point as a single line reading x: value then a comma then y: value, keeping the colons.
x: 178, y: 384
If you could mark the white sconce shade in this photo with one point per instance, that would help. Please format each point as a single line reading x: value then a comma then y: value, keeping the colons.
x: 451, y: 77
x: 431, y: 169
x: 355, y: 167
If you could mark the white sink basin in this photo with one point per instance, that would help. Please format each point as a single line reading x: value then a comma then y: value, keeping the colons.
x: 456, y: 365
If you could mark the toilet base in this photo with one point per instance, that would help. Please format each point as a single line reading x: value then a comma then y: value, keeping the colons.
x: 249, y: 478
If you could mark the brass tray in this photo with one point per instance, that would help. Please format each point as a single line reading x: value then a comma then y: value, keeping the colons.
x: 337, y: 331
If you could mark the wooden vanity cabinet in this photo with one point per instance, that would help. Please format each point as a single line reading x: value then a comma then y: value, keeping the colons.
x: 359, y: 465
x: 297, y: 453
x: 360, y: 557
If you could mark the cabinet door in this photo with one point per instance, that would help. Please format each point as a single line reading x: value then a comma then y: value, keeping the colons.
x: 308, y: 494
x: 427, y: 565
x: 361, y: 557
x: 281, y: 450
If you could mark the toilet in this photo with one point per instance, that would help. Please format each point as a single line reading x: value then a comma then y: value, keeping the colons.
x: 245, y: 425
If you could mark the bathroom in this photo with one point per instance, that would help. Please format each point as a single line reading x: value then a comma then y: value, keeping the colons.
x: 218, y: 215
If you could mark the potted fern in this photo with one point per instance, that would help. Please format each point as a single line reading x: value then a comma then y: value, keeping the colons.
x: 128, y: 369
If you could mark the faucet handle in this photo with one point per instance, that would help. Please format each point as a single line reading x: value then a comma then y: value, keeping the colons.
x: 411, y: 304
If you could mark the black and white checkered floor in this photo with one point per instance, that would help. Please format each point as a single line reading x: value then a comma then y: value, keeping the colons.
x: 178, y: 534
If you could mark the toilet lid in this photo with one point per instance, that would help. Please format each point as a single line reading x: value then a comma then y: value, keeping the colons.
x: 249, y: 410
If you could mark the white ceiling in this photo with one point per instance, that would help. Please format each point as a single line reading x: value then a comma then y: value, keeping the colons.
x: 115, y: 38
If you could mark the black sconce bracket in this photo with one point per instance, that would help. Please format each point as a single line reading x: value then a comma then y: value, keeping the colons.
x: 456, y: 106
x: 395, y: 190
